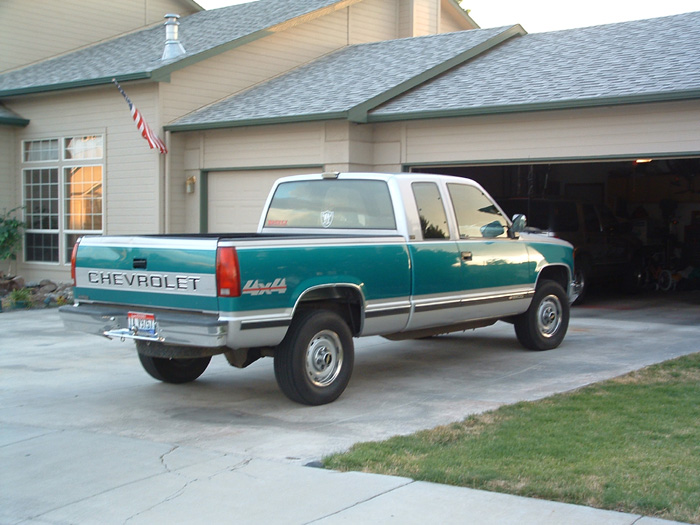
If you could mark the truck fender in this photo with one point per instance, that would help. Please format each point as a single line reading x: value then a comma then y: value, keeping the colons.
x: 346, y: 299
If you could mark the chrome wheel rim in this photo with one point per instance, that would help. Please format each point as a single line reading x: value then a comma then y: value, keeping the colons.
x: 549, y: 316
x: 324, y: 358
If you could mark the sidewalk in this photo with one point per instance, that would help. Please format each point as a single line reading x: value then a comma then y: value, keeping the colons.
x: 65, y: 477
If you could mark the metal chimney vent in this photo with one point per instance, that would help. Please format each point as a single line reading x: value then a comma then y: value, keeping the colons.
x: 173, y: 47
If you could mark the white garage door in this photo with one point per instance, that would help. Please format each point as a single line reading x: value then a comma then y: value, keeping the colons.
x: 236, y: 198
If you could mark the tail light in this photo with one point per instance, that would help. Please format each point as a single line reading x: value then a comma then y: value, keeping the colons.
x: 228, y: 278
x: 73, y: 257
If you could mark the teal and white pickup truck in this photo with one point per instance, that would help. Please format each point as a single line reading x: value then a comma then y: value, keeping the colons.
x: 336, y: 256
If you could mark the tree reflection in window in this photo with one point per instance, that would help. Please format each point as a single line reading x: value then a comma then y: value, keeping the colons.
x: 433, y: 220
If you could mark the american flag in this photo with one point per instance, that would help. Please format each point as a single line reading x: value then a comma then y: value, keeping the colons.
x: 146, y: 132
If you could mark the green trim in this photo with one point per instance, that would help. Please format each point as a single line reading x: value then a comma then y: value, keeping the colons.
x: 267, y: 168
x: 360, y: 112
x: 14, y: 121
x: 406, y: 167
x: 75, y: 84
x: 205, y: 126
x: 203, y: 201
x: 673, y: 96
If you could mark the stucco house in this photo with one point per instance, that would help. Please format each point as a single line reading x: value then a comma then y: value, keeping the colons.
x: 260, y: 90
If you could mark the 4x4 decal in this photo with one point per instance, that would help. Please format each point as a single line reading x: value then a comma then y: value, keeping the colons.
x: 255, y: 287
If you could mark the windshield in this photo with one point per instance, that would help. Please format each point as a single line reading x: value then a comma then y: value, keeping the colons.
x: 332, y: 204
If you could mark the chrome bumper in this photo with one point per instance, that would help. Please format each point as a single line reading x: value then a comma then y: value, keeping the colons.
x: 173, y: 328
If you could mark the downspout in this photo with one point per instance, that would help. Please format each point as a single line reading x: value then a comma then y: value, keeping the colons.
x: 166, y: 186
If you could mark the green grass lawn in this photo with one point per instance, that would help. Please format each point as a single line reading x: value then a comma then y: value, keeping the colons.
x: 630, y: 444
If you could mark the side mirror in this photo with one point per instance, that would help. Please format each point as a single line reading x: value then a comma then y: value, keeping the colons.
x: 492, y: 230
x: 519, y: 223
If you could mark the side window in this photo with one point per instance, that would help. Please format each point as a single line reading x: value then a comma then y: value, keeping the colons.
x: 433, y: 220
x: 477, y: 216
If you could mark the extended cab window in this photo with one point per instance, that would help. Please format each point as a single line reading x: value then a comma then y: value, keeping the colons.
x: 334, y: 204
x: 433, y: 221
x: 477, y: 216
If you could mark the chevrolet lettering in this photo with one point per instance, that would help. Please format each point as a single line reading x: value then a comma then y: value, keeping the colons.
x: 336, y: 256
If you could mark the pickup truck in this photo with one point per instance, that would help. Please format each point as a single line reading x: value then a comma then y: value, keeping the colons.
x: 336, y: 256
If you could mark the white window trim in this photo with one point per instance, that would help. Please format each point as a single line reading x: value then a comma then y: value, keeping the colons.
x: 61, y: 164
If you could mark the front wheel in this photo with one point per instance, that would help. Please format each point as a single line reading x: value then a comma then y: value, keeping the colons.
x: 314, y: 362
x: 174, y: 370
x: 544, y: 324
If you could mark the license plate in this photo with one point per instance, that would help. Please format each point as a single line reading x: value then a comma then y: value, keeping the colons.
x: 142, y: 324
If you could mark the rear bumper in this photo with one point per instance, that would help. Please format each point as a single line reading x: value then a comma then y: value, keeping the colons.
x: 173, y: 328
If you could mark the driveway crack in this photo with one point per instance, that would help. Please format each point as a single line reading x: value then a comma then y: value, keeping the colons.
x: 362, y: 502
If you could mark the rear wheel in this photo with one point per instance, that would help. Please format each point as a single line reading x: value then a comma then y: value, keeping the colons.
x: 544, y: 324
x: 313, y: 364
x: 174, y: 370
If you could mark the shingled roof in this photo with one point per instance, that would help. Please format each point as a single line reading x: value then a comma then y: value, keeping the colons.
x: 349, y: 82
x: 477, y: 72
x: 138, y: 55
x: 631, y: 62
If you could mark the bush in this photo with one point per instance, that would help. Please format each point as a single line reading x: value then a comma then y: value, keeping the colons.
x: 10, y: 236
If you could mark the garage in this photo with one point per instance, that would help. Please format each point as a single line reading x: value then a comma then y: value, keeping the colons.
x: 656, y: 202
x: 236, y: 198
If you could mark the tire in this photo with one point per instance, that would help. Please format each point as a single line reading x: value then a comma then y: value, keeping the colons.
x: 544, y: 324
x: 313, y: 364
x: 174, y: 370
x: 582, y: 278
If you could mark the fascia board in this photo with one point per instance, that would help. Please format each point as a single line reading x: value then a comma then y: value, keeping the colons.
x: 205, y: 126
x: 14, y: 121
x: 76, y: 84
x: 360, y: 112
x: 693, y: 94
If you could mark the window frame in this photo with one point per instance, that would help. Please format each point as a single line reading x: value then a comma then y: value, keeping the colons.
x: 505, y: 223
x: 63, y: 165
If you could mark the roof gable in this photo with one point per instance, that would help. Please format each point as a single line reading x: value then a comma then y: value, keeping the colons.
x: 628, y: 62
x: 138, y: 55
x: 347, y: 83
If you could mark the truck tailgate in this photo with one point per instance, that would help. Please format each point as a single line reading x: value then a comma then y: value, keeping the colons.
x: 153, y: 272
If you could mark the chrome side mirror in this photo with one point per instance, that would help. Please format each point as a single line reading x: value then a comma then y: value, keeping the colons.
x: 519, y: 223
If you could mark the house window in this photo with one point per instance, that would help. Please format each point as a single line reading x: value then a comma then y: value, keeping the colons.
x: 62, y: 195
x: 40, y: 150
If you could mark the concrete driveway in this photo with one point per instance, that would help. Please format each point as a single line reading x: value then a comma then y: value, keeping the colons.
x: 87, y: 436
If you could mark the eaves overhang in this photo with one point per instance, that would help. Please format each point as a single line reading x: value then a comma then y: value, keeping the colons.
x: 14, y: 121
x: 10, y: 118
x: 242, y: 123
x: 62, y: 86
x: 674, y: 96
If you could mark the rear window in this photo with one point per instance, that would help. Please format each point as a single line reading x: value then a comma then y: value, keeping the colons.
x: 332, y: 204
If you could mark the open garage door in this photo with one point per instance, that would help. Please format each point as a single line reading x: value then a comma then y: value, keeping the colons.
x: 236, y: 198
x: 657, y: 200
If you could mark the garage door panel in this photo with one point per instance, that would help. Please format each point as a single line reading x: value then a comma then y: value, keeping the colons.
x: 236, y: 198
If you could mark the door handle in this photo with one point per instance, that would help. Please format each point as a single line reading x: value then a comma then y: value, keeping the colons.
x: 466, y: 256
